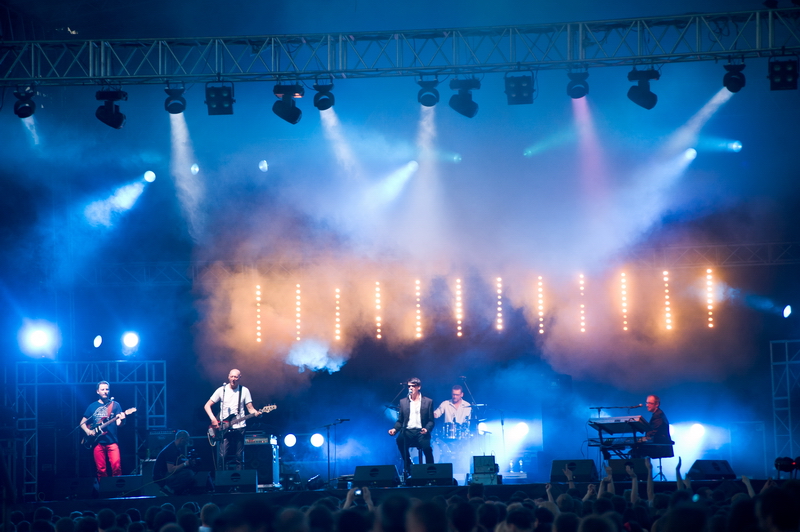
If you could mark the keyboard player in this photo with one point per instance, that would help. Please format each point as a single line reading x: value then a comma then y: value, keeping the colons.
x: 659, y: 424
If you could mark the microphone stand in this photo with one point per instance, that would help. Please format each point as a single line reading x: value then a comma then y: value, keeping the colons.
x: 328, y: 442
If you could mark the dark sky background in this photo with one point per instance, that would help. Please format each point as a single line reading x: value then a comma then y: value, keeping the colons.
x: 590, y: 192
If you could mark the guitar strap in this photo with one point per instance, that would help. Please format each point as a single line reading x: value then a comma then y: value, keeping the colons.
x: 239, y: 404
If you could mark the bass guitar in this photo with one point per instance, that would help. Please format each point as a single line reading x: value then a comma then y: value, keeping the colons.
x: 216, y: 434
x: 98, y: 430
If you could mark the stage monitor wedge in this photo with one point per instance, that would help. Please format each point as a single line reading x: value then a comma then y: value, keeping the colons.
x: 431, y: 475
x: 376, y: 476
x: 711, y: 470
x: 242, y: 481
x: 582, y: 470
x: 122, y: 486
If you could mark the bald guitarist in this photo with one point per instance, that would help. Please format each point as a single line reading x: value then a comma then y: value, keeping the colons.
x: 235, y: 401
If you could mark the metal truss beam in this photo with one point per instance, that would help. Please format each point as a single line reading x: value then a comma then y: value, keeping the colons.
x: 724, y: 255
x: 188, y: 273
x: 453, y: 51
x: 785, y: 359
x: 148, y: 378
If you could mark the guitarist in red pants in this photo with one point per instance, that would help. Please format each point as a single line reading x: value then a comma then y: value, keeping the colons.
x: 234, y: 400
x: 105, y: 445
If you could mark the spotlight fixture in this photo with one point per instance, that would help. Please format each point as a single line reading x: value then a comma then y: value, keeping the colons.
x: 462, y: 102
x: 785, y: 464
x: 783, y: 74
x: 24, y: 107
x: 285, y: 108
x: 734, y: 79
x: 519, y: 89
x: 640, y: 93
x: 428, y: 96
x: 577, y: 87
x: 323, y: 99
x: 109, y: 112
x: 219, y: 98
x: 175, y: 103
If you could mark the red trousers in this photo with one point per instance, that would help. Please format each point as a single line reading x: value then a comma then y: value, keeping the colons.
x: 110, y: 452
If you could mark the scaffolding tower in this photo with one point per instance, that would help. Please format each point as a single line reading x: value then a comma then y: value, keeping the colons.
x: 785, y: 359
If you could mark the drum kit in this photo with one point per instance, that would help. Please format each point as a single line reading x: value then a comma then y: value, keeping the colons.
x: 456, y: 431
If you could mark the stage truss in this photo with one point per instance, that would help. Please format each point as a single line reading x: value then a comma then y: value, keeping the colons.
x: 150, y: 399
x: 645, y: 42
x: 785, y: 359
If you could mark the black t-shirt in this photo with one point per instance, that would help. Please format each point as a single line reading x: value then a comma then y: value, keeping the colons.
x: 168, y: 455
x: 98, y: 413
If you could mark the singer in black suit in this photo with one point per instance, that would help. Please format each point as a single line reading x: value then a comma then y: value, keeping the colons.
x: 414, y: 424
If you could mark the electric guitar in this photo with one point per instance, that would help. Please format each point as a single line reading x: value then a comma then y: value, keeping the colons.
x: 97, y: 431
x: 215, y: 435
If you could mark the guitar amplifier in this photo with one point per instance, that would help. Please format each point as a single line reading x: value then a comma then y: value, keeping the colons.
x: 261, y: 454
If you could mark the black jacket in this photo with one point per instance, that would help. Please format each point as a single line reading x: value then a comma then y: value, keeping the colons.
x: 425, y: 414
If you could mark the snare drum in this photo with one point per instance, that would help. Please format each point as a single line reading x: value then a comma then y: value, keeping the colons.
x: 462, y: 431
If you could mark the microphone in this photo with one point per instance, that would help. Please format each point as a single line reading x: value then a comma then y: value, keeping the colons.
x: 343, y: 419
x: 635, y: 406
x: 111, y: 400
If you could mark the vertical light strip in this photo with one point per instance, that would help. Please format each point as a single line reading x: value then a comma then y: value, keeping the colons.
x: 710, y: 297
x: 338, y: 334
x: 419, y: 310
x: 378, y: 333
x: 667, y: 304
x: 623, y: 284
x: 459, y: 308
x: 499, y: 321
x: 540, y: 303
x: 258, y: 313
x: 297, y: 309
x: 582, y: 285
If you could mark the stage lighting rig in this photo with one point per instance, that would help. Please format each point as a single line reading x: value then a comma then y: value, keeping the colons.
x: 323, y: 99
x: 519, y: 89
x: 285, y: 107
x: 175, y: 103
x: 734, y: 79
x: 428, y: 96
x: 109, y: 112
x: 640, y: 93
x: 24, y: 107
x: 782, y: 74
x: 577, y: 87
x: 462, y: 102
x: 219, y: 98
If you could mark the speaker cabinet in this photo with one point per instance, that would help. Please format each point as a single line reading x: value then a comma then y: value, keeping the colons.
x: 378, y: 476
x: 122, y: 486
x: 711, y: 470
x: 243, y: 481
x: 264, y: 459
x: 619, y: 472
x: 582, y: 470
x: 431, y: 475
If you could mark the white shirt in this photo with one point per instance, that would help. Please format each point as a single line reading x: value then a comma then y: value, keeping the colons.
x: 453, y: 413
x: 230, y: 404
x: 414, y: 416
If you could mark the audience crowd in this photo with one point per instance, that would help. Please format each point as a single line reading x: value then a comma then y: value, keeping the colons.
x: 736, y: 508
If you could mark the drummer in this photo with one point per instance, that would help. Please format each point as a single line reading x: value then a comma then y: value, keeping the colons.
x: 456, y: 410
